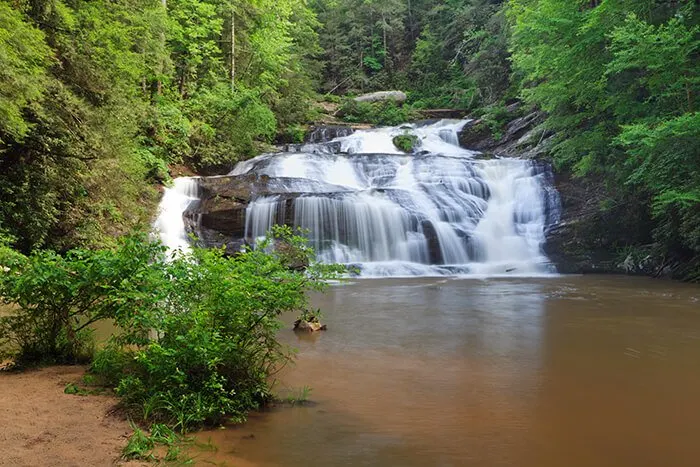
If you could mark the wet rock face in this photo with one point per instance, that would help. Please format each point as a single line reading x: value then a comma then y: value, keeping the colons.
x: 588, y: 239
x: 219, y: 217
x: 325, y: 133
x: 523, y: 136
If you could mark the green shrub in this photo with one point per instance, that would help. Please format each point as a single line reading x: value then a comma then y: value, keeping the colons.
x: 197, y: 339
x: 294, y: 134
x: 406, y: 142
x: 206, y: 353
x: 376, y: 113
x: 59, y: 297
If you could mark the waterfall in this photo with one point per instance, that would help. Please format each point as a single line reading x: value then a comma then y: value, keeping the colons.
x: 440, y: 210
x: 170, y: 224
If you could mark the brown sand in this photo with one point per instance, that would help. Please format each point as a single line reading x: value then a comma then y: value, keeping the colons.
x: 42, y: 426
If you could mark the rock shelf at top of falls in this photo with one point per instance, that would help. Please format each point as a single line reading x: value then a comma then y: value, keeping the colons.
x: 437, y: 211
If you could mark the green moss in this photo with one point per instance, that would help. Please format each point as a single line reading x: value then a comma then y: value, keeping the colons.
x: 406, y: 142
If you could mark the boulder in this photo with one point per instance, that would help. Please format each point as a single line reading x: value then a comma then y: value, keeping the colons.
x: 397, y: 96
x: 476, y: 135
x: 407, y: 142
x: 521, y: 137
x: 308, y: 326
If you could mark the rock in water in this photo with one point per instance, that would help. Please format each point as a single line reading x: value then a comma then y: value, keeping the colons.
x: 406, y: 142
x: 308, y: 326
x: 397, y: 96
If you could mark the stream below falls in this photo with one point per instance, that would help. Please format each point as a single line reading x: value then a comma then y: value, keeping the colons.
x: 564, y: 371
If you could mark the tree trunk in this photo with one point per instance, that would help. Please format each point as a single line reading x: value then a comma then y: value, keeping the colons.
x: 232, y: 63
x: 161, y: 65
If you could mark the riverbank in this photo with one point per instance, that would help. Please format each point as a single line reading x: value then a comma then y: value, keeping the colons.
x: 44, y: 426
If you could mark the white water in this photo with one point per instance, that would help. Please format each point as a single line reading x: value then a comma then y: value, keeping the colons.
x: 170, y: 224
x: 435, y: 212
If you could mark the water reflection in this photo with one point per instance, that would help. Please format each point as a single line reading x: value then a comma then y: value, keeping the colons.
x: 571, y: 371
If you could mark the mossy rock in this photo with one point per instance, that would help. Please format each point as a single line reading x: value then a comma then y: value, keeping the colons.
x: 406, y: 143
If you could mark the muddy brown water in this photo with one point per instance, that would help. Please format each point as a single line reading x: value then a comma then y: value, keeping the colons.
x: 568, y: 371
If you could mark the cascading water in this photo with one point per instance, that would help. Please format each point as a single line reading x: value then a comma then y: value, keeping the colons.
x: 438, y: 211
x: 170, y: 224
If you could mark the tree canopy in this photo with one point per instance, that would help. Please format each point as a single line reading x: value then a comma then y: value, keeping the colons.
x: 98, y: 98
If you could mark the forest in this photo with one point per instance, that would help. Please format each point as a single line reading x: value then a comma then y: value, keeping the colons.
x: 98, y: 99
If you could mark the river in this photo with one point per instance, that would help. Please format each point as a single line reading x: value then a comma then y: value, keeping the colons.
x: 558, y: 371
x: 465, y: 348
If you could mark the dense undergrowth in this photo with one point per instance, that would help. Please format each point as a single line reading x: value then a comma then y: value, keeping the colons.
x: 196, y: 333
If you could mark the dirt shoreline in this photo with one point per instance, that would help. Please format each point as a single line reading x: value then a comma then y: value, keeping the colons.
x: 42, y: 426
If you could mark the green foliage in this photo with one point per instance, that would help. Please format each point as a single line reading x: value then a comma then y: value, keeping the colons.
x: 445, y: 54
x: 197, y: 332
x: 495, y: 117
x: 363, y: 43
x: 59, y: 297
x: 97, y: 98
x: 144, y: 446
x: 226, y: 125
x: 139, y: 446
x: 376, y: 113
x: 23, y: 59
x: 206, y: 351
x: 619, y: 82
x: 294, y: 134
x: 406, y: 142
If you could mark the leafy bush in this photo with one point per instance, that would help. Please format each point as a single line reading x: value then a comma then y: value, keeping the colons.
x: 406, y: 142
x: 197, y: 339
x: 293, y: 134
x: 59, y: 297
x: 376, y: 113
x: 207, y: 351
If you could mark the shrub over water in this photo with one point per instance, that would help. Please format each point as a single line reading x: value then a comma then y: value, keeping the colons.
x: 197, y: 339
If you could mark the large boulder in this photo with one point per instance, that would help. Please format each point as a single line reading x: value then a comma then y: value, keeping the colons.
x: 397, y: 96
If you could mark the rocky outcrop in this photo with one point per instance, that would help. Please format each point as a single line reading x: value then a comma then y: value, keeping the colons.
x: 571, y: 245
x: 397, y: 96
x: 325, y: 133
x: 522, y: 136
x: 219, y: 217
x: 589, y: 239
